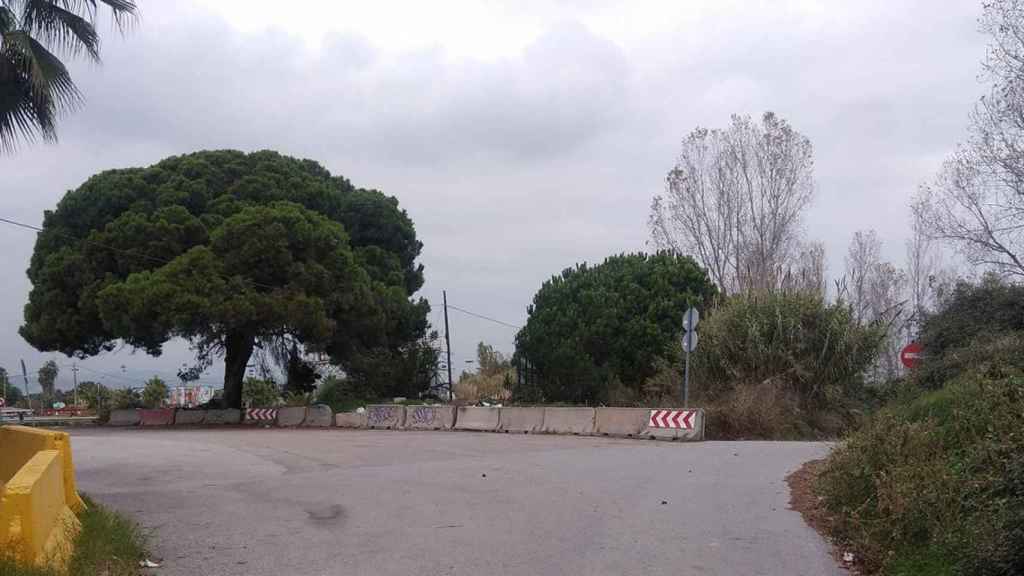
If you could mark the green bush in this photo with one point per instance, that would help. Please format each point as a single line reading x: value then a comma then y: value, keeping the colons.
x: 154, y: 393
x: 340, y: 394
x: 257, y: 393
x: 592, y: 328
x: 790, y: 340
x: 936, y: 480
x: 124, y: 398
x: 970, y: 313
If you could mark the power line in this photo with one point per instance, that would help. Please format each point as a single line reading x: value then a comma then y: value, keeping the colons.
x: 482, y: 317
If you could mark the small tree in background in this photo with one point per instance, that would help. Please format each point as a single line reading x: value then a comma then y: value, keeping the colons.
x: 492, y: 379
x: 155, y: 393
x: 124, y: 398
x: 94, y: 394
x: 48, y: 379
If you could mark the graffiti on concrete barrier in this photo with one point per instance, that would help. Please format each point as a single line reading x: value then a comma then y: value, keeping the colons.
x: 380, y: 415
x: 423, y: 415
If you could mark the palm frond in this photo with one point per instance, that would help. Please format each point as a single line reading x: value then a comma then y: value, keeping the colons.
x: 60, y: 28
x: 41, y: 69
x: 21, y: 114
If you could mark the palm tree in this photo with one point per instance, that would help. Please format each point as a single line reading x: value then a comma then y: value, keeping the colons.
x: 35, y: 87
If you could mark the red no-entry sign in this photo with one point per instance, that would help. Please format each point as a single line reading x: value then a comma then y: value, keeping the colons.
x: 911, y: 355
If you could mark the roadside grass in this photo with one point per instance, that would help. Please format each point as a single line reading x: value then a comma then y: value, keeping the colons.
x: 109, y: 545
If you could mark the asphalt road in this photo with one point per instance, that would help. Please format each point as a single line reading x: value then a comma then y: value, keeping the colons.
x: 339, y: 502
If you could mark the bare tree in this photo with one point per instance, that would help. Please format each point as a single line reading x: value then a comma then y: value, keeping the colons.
x: 735, y: 199
x: 924, y: 273
x: 863, y: 258
x: 976, y: 203
x: 808, y: 272
x: 876, y: 293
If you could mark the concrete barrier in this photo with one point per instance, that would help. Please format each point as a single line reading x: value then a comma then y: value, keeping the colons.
x: 38, y: 497
x: 521, y: 419
x: 484, y: 418
x: 260, y: 416
x: 694, y: 432
x: 156, y: 417
x: 128, y: 417
x: 629, y: 422
x: 225, y: 416
x: 319, y: 416
x: 429, y: 417
x: 569, y: 420
x: 289, y: 416
x: 189, y: 417
x: 387, y: 416
x: 350, y: 420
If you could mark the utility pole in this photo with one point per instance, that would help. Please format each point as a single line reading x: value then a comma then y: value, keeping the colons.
x: 24, y: 374
x: 447, y: 342
x: 74, y: 372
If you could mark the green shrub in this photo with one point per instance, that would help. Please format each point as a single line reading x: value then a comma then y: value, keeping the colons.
x: 790, y: 340
x: 592, y: 327
x: 969, y: 313
x: 936, y: 480
x: 257, y: 393
x: 124, y: 398
x: 340, y: 394
x: 154, y: 393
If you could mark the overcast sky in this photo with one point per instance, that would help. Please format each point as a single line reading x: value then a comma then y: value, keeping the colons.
x: 521, y: 136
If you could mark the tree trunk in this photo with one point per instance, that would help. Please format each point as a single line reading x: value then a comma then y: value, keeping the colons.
x: 237, y: 351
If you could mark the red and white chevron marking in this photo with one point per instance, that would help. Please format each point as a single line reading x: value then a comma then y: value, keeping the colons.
x: 261, y: 414
x: 680, y: 419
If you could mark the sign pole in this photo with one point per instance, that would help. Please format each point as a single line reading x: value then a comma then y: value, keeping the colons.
x: 686, y: 376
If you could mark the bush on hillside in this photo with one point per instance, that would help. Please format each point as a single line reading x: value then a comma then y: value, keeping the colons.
x: 936, y: 481
x: 969, y: 313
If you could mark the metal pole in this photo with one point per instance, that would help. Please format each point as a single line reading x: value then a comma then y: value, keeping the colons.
x: 74, y: 372
x: 447, y: 343
x: 24, y: 374
x: 686, y: 373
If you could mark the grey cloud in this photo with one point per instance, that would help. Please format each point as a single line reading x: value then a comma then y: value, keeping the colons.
x: 516, y: 168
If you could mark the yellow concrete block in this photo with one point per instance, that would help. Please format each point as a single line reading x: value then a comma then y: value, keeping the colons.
x: 41, y: 526
x: 20, y: 443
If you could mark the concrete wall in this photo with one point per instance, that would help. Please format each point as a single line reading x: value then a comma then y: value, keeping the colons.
x: 429, y: 417
x: 387, y: 416
x: 289, y: 416
x: 621, y: 421
x: 226, y: 416
x: 157, y: 417
x: 189, y: 417
x: 36, y: 502
x: 477, y: 418
x: 129, y: 417
x: 350, y: 420
x: 569, y: 420
x: 319, y: 416
x: 521, y: 419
